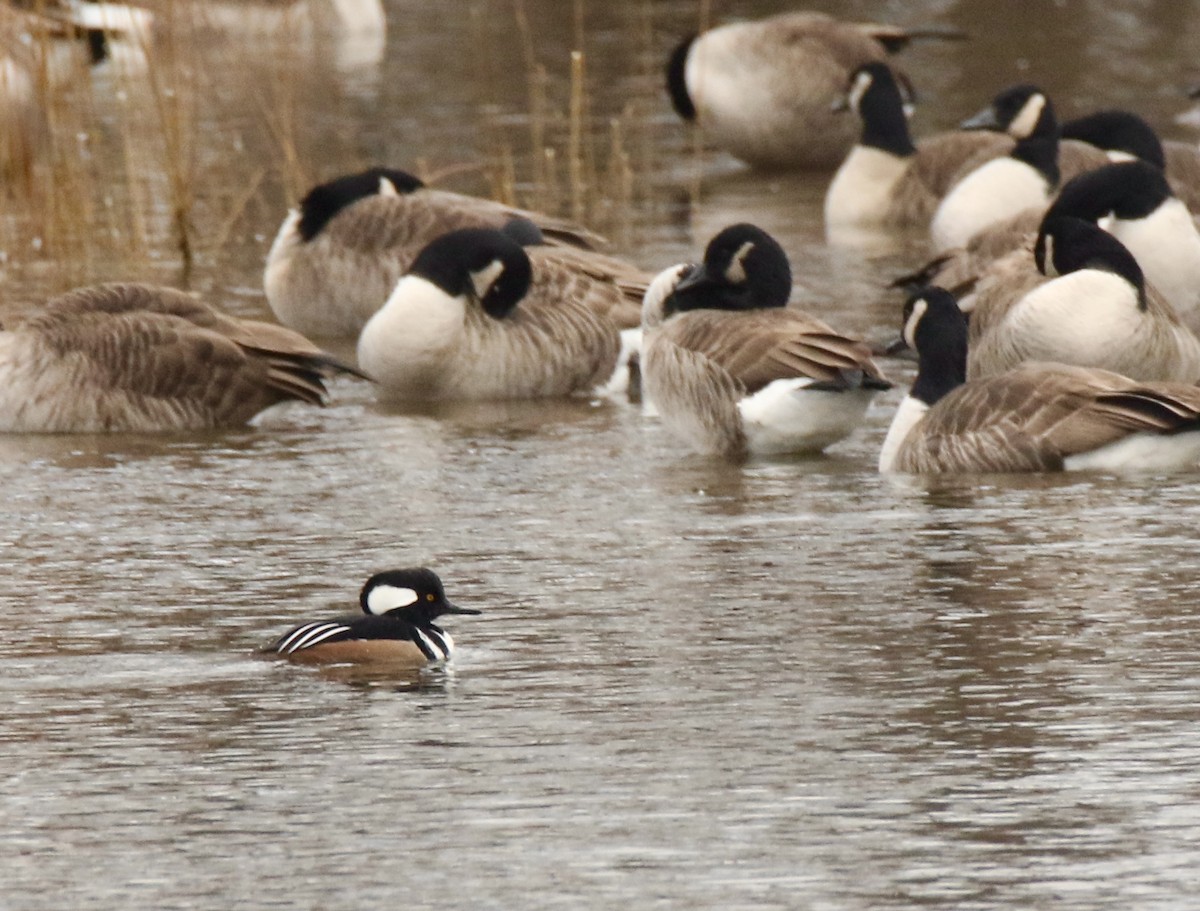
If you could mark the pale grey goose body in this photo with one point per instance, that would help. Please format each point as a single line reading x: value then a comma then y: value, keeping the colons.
x: 762, y: 89
x: 1038, y: 417
x: 475, y: 318
x: 337, y: 257
x: 733, y: 372
x: 139, y: 358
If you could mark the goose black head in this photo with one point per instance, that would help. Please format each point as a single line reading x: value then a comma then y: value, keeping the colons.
x: 481, y: 263
x: 881, y: 99
x: 326, y: 200
x: 744, y: 268
x: 677, y: 88
x: 1118, y: 131
x: 1128, y: 190
x: 1021, y: 111
x: 1065, y: 245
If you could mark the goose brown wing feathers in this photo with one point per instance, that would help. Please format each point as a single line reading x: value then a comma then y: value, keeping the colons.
x: 1035, y: 417
x: 759, y: 347
x: 164, y: 344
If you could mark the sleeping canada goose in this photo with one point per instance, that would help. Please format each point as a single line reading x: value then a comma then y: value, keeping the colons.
x: 1026, y: 178
x: 1095, y: 311
x: 886, y: 181
x: 1131, y: 199
x: 474, y: 318
x: 1123, y: 134
x: 732, y: 371
x: 1038, y: 417
x: 138, y: 358
x: 338, y: 256
x: 762, y: 90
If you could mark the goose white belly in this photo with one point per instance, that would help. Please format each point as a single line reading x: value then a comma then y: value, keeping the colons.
x: 1144, y: 452
x: 908, y: 415
x: 788, y: 416
x: 1000, y: 189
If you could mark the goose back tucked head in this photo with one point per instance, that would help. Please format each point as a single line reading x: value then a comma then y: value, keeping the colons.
x: 1066, y: 244
x: 744, y: 268
x: 1118, y: 131
x: 481, y: 263
x: 1126, y: 190
x: 324, y: 201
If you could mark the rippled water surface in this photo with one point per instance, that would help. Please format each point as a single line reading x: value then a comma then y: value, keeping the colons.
x: 788, y: 684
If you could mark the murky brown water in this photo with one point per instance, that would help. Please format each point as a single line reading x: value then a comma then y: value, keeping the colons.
x: 792, y: 684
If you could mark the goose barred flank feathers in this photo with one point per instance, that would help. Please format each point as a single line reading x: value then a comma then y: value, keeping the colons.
x: 1037, y: 417
x: 140, y: 358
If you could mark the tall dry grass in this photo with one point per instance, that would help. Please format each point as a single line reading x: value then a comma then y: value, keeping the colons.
x: 123, y: 176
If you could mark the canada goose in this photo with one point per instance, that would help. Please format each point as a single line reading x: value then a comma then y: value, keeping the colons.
x: 1037, y: 417
x: 886, y: 181
x: 338, y: 255
x: 138, y: 358
x: 1025, y: 178
x: 732, y: 371
x: 762, y: 90
x: 1123, y: 134
x: 396, y: 625
x: 474, y: 318
x: 1131, y: 199
x: 1095, y: 311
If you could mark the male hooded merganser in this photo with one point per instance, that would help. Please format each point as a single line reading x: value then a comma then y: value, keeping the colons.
x: 399, y: 607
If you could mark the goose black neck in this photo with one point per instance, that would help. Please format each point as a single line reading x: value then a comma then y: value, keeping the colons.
x: 884, y: 125
x: 940, y: 373
x: 1040, y: 152
x: 677, y: 80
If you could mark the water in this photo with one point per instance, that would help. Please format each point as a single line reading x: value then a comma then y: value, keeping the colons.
x: 789, y: 684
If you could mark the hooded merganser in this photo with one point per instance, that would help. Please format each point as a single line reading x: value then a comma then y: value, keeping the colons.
x: 399, y: 607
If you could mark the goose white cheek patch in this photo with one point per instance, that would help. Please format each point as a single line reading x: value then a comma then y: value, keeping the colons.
x: 486, y: 277
x: 736, y: 273
x: 384, y: 598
